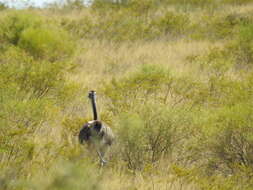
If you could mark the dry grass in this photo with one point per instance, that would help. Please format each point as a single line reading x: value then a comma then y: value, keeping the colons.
x: 102, y: 61
x: 97, y: 63
x: 140, y: 182
x: 157, y: 177
x: 241, y: 8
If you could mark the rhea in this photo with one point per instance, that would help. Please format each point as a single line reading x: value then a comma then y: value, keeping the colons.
x: 95, y: 133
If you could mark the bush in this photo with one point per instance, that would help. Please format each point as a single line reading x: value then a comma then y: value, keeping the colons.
x: 38, y: 37
x: 81, y: 28
x: 230, y: 138
x: 235, y: 55
x: 132, y: 141
x: 238, y: 2
x: 225, y: 126
x: 216, y: 63
x: 149, y: 83
x: 220, y: 26
x: 170, y: 24
x: 74, y: 4
x: 155, y: 126
x: 143, y: 6
x: 33, y: 91
x: 192, y: 5
x: 118, y: 27
x: 30, y: 75
x: 14, y: 23
x: 64, y: 175
x: 3, y: 6
x: 224, y: 145
x: 148, y: 136
x: 133, y: 20
x: 241, y: 180
x: 192, y: 2
x: 47, y: 43
x: 108, y: 4
x: 242, y: 47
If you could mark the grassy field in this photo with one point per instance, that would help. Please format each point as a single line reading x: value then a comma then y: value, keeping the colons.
x: 174, y: 82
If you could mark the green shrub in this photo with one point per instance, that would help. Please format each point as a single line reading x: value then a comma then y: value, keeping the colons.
x: 224, y: 118
x: 3, y: 6
x: 170, y: 23
x: 63, y: 175
x: 31, y: 75
x: 237, y: 2
x: 242, y: 47
x: 81, y: 28
x: 148, y: 83
x: 14, y: 23
x: 32, y: 93
x: 142, y: 6
x: 132, y: 141
x: 40, y: 38
x: 225, y: 127
x: 47, y: 43
x: 191, y: 5
x: 131, y: 21
x: 220, y: 26
x: 118, y: 27
x: 154, y: 127
x: 235, y: 55
x: 74, y: 4
x: 232, y: 138
x: 146, y: 5
x: 192, y: 2
x: 150, y: 135
x: 107, y: 4
x: 241, y: 180
x: 215, y: 63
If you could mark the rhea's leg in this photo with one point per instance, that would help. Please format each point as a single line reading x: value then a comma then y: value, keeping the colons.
x: 101, y: 157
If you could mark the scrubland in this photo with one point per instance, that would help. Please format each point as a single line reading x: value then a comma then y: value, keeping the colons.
x: 174, y: 81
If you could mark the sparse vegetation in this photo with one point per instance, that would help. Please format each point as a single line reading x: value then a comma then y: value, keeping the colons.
x: 175, y: 83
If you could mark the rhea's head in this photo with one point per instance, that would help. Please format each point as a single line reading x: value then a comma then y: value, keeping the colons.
x: 92, y: 94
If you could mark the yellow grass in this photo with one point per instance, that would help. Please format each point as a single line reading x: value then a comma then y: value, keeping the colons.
x: 101, y: 61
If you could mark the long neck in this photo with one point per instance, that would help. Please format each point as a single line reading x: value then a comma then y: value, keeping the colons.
x: 94, y: 108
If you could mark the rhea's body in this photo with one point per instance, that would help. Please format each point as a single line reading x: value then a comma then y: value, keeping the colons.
x: 96, y: 134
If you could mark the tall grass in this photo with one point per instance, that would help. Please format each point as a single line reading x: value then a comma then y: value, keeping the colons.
x: 174, y: 81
